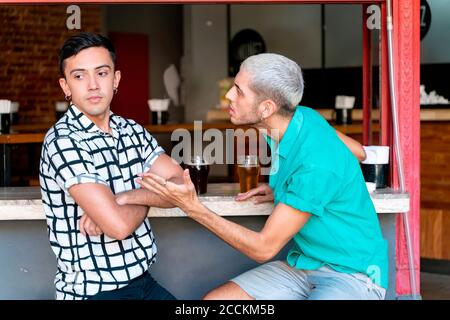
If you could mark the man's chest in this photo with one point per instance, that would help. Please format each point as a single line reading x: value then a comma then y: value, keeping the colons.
x: 281, y: 171
x: 117, y: 160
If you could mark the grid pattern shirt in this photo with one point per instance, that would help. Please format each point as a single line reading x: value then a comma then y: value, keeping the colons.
x: 76, y: 151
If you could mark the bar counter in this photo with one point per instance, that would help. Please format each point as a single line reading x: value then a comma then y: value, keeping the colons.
x: 24, y: 203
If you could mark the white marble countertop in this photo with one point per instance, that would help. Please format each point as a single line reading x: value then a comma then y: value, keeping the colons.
x: 24, y: 203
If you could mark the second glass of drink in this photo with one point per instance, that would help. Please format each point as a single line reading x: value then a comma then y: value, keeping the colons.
x: 248, y: 172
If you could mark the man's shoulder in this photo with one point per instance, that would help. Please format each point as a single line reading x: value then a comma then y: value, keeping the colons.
x: 62, y: 130
x: 310, y: 114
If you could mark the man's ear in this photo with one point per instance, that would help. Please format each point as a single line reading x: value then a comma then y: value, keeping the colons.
x: 65, y: 88
x: 267, y: 108
x: 117, y: 76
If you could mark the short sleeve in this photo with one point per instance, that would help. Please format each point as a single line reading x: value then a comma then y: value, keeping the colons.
x: 151, y: 150
x: 69, y: 163
x: 311, y: 190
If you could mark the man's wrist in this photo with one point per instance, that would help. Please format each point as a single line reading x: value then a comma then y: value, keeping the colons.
x: 193, y: 208
x: 147, y: 196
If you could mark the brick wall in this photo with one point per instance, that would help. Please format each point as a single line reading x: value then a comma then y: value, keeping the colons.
x: 30, y: 38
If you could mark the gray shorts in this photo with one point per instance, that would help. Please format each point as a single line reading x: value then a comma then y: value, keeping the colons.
x: 276, y: 280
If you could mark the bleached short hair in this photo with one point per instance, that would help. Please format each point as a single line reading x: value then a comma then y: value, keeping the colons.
x: 275, y: 77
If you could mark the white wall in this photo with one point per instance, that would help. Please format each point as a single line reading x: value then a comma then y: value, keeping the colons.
x: 206, y: 58
x: 295, y: 31
x: 205, y: 61
x: 290, y: 30
x: 343, y: 41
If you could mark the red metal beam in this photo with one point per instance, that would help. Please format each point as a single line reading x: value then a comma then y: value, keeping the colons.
x: 366, y: 79
x: 406, y: 41
x: 385, y: 108
x: 406, y: 17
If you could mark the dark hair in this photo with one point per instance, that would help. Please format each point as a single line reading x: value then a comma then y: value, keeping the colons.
x: 81, y: 41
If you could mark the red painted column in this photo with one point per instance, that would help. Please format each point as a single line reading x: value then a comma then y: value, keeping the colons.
x: 366, y: 79
x: 406, y: 40
x: 385, y: 108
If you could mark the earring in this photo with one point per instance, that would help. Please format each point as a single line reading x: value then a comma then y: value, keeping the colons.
x: 116, y: 90
x: 68, y: 98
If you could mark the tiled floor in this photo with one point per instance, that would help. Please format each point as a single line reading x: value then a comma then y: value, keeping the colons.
x: 435, y: 286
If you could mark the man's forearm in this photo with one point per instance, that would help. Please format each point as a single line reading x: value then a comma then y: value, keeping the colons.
x: 251, y: 243
x: 135, y: 215
x: 132, y: 216
x: 142, y: 197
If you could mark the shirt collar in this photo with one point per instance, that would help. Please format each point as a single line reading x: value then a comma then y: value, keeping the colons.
x: 87, y: 125
x: 290, y: 135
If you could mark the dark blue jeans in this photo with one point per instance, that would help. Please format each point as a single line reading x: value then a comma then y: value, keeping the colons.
x: 143, y: 287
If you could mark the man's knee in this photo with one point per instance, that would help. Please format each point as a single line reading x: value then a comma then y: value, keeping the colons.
x: 228, y: 291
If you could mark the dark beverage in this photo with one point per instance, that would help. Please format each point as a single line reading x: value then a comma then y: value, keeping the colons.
x: 376, y: 173
x: 199, y: 170
x: 160, y: 117
x: 375, y: 167
x: 14, y: 118
x: 343, y: 116
x: 60, y: 109
x: 248, y: 177
x: 5, y: 122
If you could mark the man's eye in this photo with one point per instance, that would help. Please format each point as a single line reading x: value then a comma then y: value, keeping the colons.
x: 103, y: 73
x: 78, y: 76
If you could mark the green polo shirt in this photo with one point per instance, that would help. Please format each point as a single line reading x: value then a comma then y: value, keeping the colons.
x: 313, y: 171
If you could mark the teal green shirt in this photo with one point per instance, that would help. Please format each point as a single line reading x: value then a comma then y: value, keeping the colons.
x: 313, y: 171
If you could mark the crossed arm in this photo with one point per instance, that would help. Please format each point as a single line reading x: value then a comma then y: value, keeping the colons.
x: 107, y: 213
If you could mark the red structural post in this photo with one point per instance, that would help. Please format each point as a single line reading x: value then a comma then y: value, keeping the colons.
x: 366, y: 78
x: 385, y: 107
x: 406, y: 57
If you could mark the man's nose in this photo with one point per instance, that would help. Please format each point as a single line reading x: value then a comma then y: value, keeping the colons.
x: 93, y: 84
x: 229, y: 93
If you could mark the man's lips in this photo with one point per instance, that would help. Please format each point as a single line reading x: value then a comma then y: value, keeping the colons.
x: 95, y: 99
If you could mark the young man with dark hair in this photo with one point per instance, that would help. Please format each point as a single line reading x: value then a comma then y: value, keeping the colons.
x: 90, y: 159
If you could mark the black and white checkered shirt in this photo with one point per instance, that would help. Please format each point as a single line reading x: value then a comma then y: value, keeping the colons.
x: 76, y: 151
